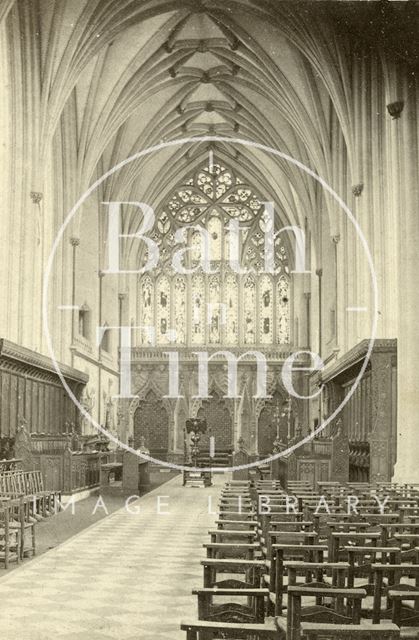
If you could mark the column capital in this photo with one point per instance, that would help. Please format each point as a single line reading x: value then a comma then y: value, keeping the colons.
x: 357, y: 189
x: 74, y: 241
x: 36, y: 196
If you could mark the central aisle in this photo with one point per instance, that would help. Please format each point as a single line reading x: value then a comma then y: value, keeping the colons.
x: 127, y: 577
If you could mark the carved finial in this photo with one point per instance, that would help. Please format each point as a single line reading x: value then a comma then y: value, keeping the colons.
x: 278, y: 445
x: 241, y: 444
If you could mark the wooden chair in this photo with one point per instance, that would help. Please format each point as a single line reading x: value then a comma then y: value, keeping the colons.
x: 289, y: 537
x: 252, y: 611
x: 287, y: 552
x: 19, y: 521
x: 393, y: 574
x: 406, y: 618
x: 232, y: 535
x: 250, y: 571
x: 361, y: 560
x: 339, y: 540
x: 10, y: 544
x: 340, y: 614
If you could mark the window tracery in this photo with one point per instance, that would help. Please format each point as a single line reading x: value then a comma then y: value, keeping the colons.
x: 221, y: 308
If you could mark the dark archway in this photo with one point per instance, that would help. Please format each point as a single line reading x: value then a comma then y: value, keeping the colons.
x: 152, y: 423
x: 216, y: 413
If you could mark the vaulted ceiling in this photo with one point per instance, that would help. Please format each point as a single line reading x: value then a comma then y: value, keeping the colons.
x: 115, y: 77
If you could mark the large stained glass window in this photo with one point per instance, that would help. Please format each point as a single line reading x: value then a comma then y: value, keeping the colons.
x: 222, y: 308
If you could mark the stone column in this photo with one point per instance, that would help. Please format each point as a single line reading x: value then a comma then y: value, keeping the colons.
x: 405, y: 153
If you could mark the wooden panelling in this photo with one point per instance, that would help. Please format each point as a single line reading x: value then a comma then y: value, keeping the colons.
x: 32, y: 391
x: 370, y: 415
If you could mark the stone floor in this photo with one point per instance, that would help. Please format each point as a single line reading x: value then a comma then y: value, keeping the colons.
x: 54, y: 531
x: 127, y: 577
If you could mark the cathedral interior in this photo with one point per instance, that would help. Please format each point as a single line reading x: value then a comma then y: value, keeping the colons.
x: 209, y: 217
x: 234, y: 109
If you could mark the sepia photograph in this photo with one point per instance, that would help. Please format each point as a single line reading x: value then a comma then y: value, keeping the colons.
x: 209, y: 299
